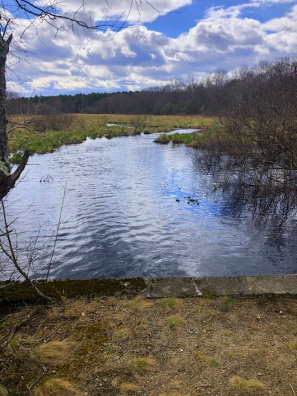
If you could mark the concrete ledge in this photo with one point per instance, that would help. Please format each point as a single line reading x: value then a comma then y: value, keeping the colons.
x: 221, y: 286
x: 20, y: 292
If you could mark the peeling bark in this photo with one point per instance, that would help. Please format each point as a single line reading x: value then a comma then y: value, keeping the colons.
x: 7, y: 181
x: 4, y: 48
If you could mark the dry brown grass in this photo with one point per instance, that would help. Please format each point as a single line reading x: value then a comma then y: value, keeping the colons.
x: 57, y: 387
x: 174, y: 321
x: 174, y: 394
x: 139, y: 304
x: 191, y: 347
x: 246, y: 385
x: 3, y: 391
x: 143, y: 364
x: 54, y: 352
x: 128, y: 388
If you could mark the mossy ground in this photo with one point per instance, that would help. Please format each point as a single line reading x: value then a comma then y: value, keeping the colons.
x: 83, y: 126
x: 111, y: 346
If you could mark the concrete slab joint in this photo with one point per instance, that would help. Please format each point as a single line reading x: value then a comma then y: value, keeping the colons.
x: 221, y: 286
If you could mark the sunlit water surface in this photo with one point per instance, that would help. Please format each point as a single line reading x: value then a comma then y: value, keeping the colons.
x: 126, y: 213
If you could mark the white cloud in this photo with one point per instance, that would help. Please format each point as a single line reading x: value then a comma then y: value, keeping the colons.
x: 137, y: 57
x: 268, y: 2
x: 286, y: 23
x: 137, y: 11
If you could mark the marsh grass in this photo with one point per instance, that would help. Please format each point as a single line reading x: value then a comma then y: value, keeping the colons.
x: 93, y: 126
x: 179, y: 138
x: 163, y: 139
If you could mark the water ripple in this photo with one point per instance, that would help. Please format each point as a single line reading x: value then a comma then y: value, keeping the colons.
x: 126, y: 213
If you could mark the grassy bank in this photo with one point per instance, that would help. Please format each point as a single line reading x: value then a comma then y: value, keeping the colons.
x: 49, y: 133
x: 166, y: 347
x: 201, y: 139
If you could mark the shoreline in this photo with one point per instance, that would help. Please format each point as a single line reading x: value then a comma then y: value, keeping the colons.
x: 178, y: 287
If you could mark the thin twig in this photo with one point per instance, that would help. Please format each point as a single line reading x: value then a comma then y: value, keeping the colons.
x: 29, y: 387
x: 10, y: 253
x: 57, y: 233
x: 16, y: 328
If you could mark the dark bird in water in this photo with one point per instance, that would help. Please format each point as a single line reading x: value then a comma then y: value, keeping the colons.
x: 192, y: 200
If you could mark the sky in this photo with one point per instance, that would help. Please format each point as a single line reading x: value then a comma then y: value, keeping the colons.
x: 161, y: 40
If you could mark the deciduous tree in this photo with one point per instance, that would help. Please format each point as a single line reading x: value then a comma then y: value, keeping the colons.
x: 51, y: 12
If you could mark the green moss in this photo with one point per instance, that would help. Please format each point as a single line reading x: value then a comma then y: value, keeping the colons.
x: 20, y: 292
x: 210, y: 361
x: 229, y: 300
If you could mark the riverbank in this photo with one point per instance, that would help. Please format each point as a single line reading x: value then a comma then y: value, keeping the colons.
x: 49, y: 133
x: 119, y: 342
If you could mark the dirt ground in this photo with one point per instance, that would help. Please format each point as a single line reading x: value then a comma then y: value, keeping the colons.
x: 166, y: 347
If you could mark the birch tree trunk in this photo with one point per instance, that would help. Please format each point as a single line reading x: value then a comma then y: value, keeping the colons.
x: 4, y: 167
x: 7, y: 180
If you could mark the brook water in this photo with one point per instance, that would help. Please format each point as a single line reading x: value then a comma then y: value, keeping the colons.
x: 136, y: 208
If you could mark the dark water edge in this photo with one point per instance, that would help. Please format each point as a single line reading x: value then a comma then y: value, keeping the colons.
x: 271, y: 286
x: 136, y: 209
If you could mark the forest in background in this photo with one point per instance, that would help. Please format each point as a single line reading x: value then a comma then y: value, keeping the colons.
x: 256, y: 109
x: 216, y: 94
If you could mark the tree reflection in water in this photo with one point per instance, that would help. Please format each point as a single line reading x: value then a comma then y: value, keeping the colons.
x: 265, y: 197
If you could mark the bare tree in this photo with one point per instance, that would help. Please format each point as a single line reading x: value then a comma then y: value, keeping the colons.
x: 51, y: 12
x: 262, y: 110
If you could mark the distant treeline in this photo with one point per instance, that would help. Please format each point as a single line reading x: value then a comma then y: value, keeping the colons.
x: 214, y: 95
x: 177, y: 97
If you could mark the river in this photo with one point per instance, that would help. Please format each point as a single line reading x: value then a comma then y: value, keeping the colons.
x: 132, y: 208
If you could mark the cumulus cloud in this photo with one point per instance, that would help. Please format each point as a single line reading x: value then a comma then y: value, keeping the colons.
x: 137, y: 57
x: 286, y: 23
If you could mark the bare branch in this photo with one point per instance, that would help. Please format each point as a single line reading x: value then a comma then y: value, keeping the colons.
x: 10, y: 253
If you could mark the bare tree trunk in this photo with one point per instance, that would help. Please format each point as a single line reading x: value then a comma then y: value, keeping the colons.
x: 7, y: 181
x: 4, y: 167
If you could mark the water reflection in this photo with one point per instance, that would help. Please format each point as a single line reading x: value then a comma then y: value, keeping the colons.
x: 270, y: 210
x: 127, y: 212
